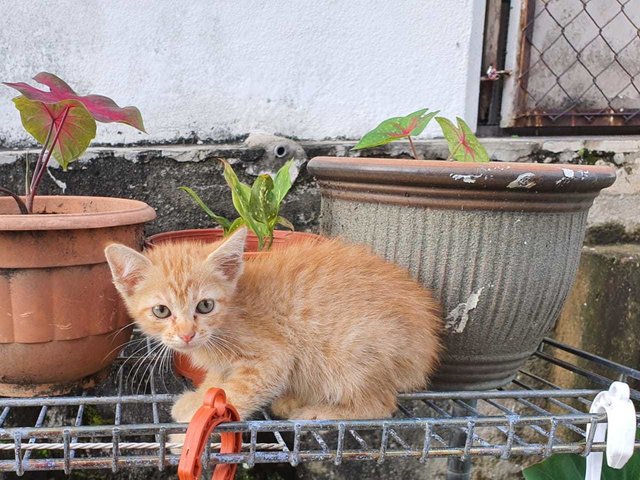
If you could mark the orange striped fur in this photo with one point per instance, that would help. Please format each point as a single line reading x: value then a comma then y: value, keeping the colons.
x: 316, y: 330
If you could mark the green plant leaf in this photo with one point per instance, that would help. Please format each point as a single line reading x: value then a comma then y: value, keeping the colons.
x: 464, y: 146
x: 222, y: 221
x: 241, y: 198
x: 263, y: 204
x: 283, y: 181
x: 237, y: 223
x: 423, y: 120
x: 259, y: 205
x: 240, y: 192
x: 573, y: 467
x: 396, y: 128
x: 285, y: 223
x: 75, y: 134
x: 471, y: 143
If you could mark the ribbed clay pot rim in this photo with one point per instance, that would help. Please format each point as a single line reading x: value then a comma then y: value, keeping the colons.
x: 438, y: 184
x: 74, y: 213
x: 532, y: 177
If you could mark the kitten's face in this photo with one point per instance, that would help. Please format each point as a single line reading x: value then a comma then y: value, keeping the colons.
x: 179, y: 293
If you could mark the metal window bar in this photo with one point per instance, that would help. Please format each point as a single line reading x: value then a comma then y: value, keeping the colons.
x: 532, y: 416
x: 576, y: 64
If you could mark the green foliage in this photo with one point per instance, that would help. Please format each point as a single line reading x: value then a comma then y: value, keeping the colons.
x: 396, y: 128
x: 573, y: 467
x: 77, y: 126
x: 464, y: 146
x: 64, y: 123
x: 258, y: 205
x: 222, y: 221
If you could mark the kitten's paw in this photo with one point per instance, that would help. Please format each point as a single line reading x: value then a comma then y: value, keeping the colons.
x: 185, y: 406
x: 284, y: 406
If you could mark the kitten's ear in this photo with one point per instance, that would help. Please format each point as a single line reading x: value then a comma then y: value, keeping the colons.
x: 228, y: 257
x: 127, y: 266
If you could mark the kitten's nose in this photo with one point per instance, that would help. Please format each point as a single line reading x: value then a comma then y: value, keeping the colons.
x: 188, y: 337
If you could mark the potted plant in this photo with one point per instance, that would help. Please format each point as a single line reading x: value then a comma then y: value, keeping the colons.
x: 258, y: 208
x: 498, y: 242
x: 61, y: 321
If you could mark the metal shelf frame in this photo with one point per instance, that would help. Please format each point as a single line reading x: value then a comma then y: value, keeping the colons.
x: 533, y: 416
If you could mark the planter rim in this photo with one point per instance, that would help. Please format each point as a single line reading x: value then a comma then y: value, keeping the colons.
x: 208, y: 234
x: 496, y: 176
x: 84, y: 212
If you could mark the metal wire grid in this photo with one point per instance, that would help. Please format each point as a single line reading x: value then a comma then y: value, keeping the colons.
x: 578, y: 63
x: 531, y: 416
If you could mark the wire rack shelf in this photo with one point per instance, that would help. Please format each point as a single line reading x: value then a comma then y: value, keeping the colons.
x: 544, y: 410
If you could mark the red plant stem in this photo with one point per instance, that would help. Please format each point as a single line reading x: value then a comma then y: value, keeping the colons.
x: 37, y: 166
x: 21, y: 205
x: 36, y: 182
x: 413, y: 148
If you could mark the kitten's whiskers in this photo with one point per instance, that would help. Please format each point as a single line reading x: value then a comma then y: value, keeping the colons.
x: 123, y: 346
x: 141, y: 361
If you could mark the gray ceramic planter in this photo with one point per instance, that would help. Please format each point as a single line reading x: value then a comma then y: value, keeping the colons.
x: 498, y: 242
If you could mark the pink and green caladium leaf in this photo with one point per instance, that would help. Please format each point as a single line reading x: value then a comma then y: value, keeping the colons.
x: 103, y: 109
x: 77, y: 131
x: 464, y: 146
x: 396, y: 128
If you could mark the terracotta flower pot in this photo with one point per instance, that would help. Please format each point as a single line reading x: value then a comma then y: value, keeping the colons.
x: 61, y: 320
x: 181, y: 362
x: 498, y: 242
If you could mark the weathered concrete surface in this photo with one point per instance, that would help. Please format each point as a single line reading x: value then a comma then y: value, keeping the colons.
x: 154, y: 175
x: 602, y: 313
x: 218, y: 70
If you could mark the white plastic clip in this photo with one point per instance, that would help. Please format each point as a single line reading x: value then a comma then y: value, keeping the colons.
x: 621, y: 420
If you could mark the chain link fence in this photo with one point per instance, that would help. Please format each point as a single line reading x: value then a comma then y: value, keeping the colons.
x: 578, y: 64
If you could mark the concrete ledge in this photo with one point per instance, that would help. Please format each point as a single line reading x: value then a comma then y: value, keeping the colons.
x: 153, y: 172
x: 616, y: 149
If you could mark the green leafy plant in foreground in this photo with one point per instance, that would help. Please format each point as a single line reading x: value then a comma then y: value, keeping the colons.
x: 463, y: 145
x: 64, y: 123
x: 258, y: 205
x: 573, y: 467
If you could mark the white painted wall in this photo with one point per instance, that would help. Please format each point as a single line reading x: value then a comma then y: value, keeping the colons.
x: 311, y: 69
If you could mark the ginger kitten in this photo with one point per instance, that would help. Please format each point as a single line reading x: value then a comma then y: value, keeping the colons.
x: 320, y: 330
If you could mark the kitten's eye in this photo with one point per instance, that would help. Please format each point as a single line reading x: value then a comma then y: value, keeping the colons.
x: 205, y: 306
x: 161, y: 311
